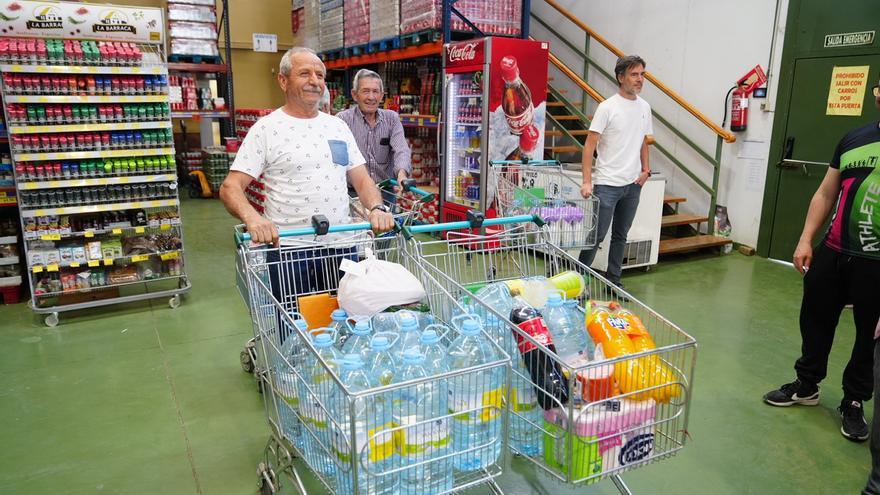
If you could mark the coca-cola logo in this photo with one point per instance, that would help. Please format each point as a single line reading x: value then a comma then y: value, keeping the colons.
x: 461, y: 53
x: 518, y: 123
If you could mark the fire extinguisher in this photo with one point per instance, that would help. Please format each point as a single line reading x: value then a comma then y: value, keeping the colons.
x: 739, y: 110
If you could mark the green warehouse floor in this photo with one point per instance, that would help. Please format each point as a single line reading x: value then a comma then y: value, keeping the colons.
x: 144, y: 399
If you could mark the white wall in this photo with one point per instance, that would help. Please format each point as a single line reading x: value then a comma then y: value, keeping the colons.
x: 698, y: 48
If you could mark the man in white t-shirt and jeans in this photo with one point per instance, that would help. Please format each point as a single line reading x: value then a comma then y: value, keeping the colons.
x: 618, y: 132
x: 304, y: 157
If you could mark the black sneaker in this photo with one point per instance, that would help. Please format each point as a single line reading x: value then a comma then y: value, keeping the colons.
x: 796, y: 392
x: 852, y: 417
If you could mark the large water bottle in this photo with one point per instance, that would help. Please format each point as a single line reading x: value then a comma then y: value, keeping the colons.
x: 381, y: 365
x: 424, y: 435
x: 287, y: 378
x: 569, y: 337
x: 525, y: 418
x: 579, y: 318
x: 355, y: 378
x: 433, y: 349
x: 359, y: 340
x: 315, y: 392
x: 408, y: 324
x: 496, y: 296
x: 384, y: 322
x: 475, y: 399
x: 340, y: 326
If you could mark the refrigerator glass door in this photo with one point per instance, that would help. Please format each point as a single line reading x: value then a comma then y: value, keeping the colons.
x: 464, y: 138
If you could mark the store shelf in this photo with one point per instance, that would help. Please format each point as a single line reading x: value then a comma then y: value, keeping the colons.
x: 132, y: 179
x: 82, y: 69
x: 111, y: 286
x: 10, y: 281
x: 424, y: 50
x: 9, y: 239
x: 87, y: 98
x: 125, y: 126
x: 198, y: 114
x: 140, y: 229
x: 9, y: 260
x: 412, y: 120
x: 114, y: 261
x: 183, y: 67
x: 73, y: 210
x: 82, y: 155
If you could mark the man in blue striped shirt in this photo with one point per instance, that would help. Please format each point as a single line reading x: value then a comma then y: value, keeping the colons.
x: 377, y: 132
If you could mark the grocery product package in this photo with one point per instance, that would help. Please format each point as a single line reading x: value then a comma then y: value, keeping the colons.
x: 384, y: 19
x: 356, y: 17
x: 372, y: 285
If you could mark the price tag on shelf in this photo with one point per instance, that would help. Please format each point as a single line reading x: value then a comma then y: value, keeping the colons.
x: 94, y: 263
x: 140, y: 257
x: 108, y: 261
x: 74, y: 264
x: 54, y: 183
x: 165, y: 226
x: 37, y: 268
x: 52, y: 268
x: 117, y: 231
x: 123, y: 180
x: 50, y: 237
x: 137, y: 204
x: 88, y: 233
x: 138, y: 230
x: 41, y: 68
x: 169, y: 256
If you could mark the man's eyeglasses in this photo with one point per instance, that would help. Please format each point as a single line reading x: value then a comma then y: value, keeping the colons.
x: 876, y: 90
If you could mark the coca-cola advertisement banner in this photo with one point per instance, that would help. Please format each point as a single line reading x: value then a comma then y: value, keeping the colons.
x: 517, y: 98
x: 464, y: 54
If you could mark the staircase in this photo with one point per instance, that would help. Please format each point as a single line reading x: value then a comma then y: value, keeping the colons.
x: 567, y: 129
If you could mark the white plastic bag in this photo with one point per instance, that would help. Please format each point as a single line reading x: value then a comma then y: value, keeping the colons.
x: 372, y: 285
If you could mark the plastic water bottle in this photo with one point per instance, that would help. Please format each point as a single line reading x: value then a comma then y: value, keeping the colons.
x: 475, y: 398
x: 408, y: 324
x: 497, y: 296
x: 315, y: 392
x: 578, y: 317
x: 569, y: 336
x: 423, y: 435
x: 353, y: 375
x: 381, y: 365
x: 384, y: 322
x: 433, y: 349
x: 359, y: 340
x: 525, y: 438
x: 288, y: 388
x: 340, y: 326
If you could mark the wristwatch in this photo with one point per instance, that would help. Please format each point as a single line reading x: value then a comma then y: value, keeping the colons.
x: 380, y: 207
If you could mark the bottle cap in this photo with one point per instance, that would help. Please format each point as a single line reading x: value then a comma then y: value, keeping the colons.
x: 408, y: 322
x: 413, y: 356
x: 338, y: 315
x: 528, y: 140
x: 429, y: 337
x: 554, y: 300
x: 380, y: 343
x: 323, y: 339
x: 509, y: 69
x: 301, y: 324
x: 470, y: 327
x: 361, y: 328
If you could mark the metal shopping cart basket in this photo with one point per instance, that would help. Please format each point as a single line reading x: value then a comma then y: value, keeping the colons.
x: 405, y: 212
x: 620, y: 413
x: 541, y: 188
x: 334, y: 429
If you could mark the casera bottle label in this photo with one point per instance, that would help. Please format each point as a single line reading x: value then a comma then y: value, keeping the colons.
x: 536, y: 329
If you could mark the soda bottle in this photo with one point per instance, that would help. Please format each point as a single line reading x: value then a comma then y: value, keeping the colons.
x: 528, y: 142
x: 551, y: 386
x: 315, y: 392
x: 569, y: 335
x: 424, y: 435
x: 475, y: 399
x: 516, y: 101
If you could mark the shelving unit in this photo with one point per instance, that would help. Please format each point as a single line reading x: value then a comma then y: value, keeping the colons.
x: 98, y: 191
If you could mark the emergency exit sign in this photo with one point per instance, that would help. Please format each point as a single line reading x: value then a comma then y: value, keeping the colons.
x: 849, y: 39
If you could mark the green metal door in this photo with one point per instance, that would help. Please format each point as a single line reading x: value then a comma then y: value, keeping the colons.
x: 810, y: 139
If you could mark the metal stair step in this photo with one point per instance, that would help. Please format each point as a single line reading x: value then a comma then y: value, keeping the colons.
x: 681, y: 219
x: 682, y: 244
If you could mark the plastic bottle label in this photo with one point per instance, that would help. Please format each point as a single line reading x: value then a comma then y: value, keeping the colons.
x: 424, y: 438
x: 524, y: 399
x: 537, y: 329
x: 381, y: 442
x: 476, y: 406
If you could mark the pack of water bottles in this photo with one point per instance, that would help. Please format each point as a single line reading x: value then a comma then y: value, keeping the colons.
x: 399, y: 403
x: 600, y: 382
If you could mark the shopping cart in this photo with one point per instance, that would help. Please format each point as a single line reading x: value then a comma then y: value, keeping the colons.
x: 616, y: 418
x: 323, y: 423
x: 405, y: 212
x: 541, y: 188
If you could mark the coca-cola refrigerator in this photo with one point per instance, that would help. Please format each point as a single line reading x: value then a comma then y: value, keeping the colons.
x: 494, y: 108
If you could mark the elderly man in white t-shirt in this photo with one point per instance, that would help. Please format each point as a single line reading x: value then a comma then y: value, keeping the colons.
x: 304, y: 157
x: 619, y: 131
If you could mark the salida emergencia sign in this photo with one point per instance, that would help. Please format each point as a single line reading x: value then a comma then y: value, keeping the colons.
x: 847, y: 92
x: 849, y: 39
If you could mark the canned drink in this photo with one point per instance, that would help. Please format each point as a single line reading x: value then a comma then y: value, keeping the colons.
x: 105, y: 140
x: 93, y: 113
x: 31, y: 113
x: 75, y: 113
x: 54, y: 142
x: 44, y: 142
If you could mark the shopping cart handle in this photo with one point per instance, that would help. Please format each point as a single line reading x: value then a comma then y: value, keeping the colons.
x: 320, y: 226
x: 442, y: 227
x: 409, y: 185
x: 524, y: 162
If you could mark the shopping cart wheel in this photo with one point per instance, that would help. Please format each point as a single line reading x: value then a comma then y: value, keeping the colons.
x: 247, y: 364
x: 267, y: 479
x: 174, y: 302
x: 51, y: 320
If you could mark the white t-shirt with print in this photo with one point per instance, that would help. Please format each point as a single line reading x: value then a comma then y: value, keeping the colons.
x: 303, y: 163
x: 623, y: 125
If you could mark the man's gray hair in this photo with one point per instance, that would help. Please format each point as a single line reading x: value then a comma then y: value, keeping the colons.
x: 286, y: 65
x: 366, y: 73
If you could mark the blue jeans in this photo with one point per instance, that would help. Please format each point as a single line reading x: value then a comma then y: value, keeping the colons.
x: 617, y: 203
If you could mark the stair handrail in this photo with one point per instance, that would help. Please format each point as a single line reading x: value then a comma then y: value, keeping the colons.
x: 724, y: 134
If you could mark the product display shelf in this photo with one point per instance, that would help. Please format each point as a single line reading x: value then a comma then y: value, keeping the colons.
x: 114, y: 247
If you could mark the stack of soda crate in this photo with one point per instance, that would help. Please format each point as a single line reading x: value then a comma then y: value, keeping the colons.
x: 331, y: 26
x: 215, y: 164
x: 499, y: 17
x: 245, y: 118
x: 384, y: 19
x: 356, y: 16
x: 193, y: 30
